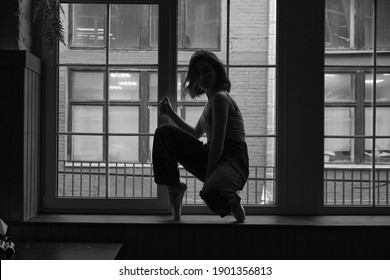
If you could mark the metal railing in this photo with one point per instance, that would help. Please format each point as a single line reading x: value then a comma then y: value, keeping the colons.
x: 343, y: 186
x: 356, y: 185
x: 78, y: 179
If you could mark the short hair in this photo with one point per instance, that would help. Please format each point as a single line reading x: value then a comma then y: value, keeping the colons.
x: 191, y: 87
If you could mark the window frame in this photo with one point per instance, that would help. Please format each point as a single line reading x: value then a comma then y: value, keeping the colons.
x: 299, y: 193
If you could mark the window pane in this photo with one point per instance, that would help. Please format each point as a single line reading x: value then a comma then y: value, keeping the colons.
x: 124, y: 119
x: 153, y: 26
x: 339, y: 87
x: 201, y: 25
x: 87, y: 85
x: 339, y: 121
x: 152, y: 118
x: 124, y: 86
x: 382, y: 87
x: 153, y: 86
x: 130, y: 179
x: 383, y: 32
x: 382, y: 121
x: 87, y: 119
x: 87, y: 148
x: 88, y: 25
x: 192, y: 114
x: 123, y: 149
x: 383, y: 25
x: 349, y: 26
x: 255, y: 93
x: 131, y: 31
x: 339, y: 150
x: 125, y: 26
x: 339, y: 20
x: 199, y: 28
x: 252, y: 32
x: 84, y: 28
x: 76, y: 179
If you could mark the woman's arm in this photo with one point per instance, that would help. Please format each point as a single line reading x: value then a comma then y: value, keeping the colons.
x: 166, y: 108
x: 196, y: 131
x: 220, y: 111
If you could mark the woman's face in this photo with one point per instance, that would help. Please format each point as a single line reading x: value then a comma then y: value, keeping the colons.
x: 205, y: 75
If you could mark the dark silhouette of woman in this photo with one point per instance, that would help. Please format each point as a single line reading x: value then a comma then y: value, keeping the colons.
x: 222, y: 163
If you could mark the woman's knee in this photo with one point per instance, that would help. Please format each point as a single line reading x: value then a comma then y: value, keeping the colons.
x: 162, y: 129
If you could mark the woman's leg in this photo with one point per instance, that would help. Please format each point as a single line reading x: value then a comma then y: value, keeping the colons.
x: 173, y: 145
x: 220, y: 190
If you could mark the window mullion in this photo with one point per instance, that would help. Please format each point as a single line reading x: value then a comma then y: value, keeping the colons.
x: 144, y: 121
x: 107, y: 104
x: 359, y: 116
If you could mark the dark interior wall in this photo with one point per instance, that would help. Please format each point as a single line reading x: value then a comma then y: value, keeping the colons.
x: 16, y: 32
x: 9, y: 21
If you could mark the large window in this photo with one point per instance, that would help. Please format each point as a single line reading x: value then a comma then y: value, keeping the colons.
x: 109, y: 87
x: 357, y: 107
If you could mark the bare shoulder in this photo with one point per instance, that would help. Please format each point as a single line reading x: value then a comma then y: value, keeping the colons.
x: 222, y: 98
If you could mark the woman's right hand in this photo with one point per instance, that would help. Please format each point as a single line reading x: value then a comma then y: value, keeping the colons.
x: 164, y: 107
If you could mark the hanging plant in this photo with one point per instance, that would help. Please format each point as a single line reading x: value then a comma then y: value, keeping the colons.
x: 48, y: 13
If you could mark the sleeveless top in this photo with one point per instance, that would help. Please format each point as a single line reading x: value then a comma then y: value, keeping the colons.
x: 235, y: 130
x: 235, y: 148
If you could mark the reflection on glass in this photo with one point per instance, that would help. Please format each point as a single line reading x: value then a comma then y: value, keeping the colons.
x: 87, y: 119
x: 87, y: 85
x: 382, y: 87
x: 88, y: 25
x: 84, y: 34
x: 124, y: 86
x: 339, y: 87
x: 87, y: 148
x: 125, y: 26
x: 338, y: 22
x: 349, y: 24
x: 124, y: 119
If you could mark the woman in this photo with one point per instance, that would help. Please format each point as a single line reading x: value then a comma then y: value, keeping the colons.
x: 222, y: 163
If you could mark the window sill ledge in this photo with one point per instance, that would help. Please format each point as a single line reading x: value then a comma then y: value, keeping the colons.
x: 252, y: 220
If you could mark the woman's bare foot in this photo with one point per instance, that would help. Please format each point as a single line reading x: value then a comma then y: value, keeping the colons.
x: 176, y: 194
x: 238, y: 212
